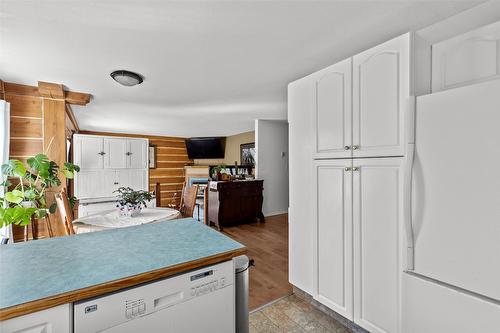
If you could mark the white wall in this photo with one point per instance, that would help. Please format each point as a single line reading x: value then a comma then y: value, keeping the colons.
x: 271, y: 143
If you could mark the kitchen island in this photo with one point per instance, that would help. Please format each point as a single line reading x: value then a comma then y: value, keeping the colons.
x: 44, y: 274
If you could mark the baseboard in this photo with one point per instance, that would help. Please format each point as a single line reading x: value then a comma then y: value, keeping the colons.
x: 339, y: 318
x: 280, y: 212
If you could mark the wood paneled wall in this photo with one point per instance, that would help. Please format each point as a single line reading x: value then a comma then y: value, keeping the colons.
x: 40, y: 119
x: 171, y: 157
x: 26, y: 125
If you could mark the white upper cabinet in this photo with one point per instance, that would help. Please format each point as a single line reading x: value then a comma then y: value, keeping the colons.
x: 332, y: 114
x: 377, y: 228
x: 381, y: 99
x: 333, y: 235
x: 466, y: 59
x: 116, y: 153
x: 89, y: 152
x: 108, y: 163
x: 137, y: 154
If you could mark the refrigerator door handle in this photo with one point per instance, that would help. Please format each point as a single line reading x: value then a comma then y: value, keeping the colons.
x: 407, y: 191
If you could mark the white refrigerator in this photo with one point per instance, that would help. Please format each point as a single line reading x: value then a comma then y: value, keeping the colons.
x: 453, y: 224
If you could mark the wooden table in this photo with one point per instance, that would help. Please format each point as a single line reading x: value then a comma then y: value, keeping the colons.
x: 109, y: 219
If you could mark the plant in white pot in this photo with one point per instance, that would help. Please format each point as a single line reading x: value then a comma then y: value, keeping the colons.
x: 130, y: 202
x: 27, y: 201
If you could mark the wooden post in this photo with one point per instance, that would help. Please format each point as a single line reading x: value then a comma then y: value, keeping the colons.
x: 54, y: 139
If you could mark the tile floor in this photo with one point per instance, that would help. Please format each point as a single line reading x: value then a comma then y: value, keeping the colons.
x: 292, y: 314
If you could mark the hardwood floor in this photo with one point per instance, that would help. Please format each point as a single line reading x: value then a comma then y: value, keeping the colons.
x: 267, y: 244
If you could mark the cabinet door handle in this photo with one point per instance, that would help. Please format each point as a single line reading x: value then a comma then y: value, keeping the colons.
x: 116, y: 183
x: 355, y: 169
x: 101, y: 153
x: 347, y: 147
x: 355, y: 147
x: 347, y: 168
x: 128, y: 153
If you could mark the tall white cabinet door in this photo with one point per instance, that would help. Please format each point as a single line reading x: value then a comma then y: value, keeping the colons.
x: 377, y: 227
x: 90, y: 152
x: 300, y: 224
x: 116, y: 153
x: 333, y: 182
x: 137, y: 154
x: 381, y: 99
x: 332, y: 122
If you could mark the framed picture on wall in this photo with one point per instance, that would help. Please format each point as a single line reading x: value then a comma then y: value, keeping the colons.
x: 247, y: 154
x: 152, y: 157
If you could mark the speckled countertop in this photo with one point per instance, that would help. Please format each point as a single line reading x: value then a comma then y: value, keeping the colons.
x: 38, y: 270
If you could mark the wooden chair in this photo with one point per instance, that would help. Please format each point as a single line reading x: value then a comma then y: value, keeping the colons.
x: 188, y: 200
x: 158, y: 194
x: 65, y: 212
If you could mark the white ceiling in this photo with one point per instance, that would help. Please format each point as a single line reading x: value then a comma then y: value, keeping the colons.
x: 210, y: 67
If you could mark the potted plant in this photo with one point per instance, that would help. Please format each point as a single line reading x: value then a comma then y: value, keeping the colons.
x: 130, y: 202
x: 27, y: 199
x: 218, y: 171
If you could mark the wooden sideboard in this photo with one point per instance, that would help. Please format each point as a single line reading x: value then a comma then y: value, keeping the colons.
x: 236, y: 201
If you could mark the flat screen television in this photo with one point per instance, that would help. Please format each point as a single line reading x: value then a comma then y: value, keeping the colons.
x: 205, y: 147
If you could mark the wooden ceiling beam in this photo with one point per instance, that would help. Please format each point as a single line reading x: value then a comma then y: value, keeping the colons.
x: 77, y: 98
x: 45, y: 90
x: 72, y: 117
x: 51, y: 90
x: 20, y: 89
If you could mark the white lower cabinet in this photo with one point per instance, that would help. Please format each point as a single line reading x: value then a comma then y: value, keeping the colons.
x: 377, y: 228
x: 358, y: 240
x: 333, y: 264
x: 53, y: 320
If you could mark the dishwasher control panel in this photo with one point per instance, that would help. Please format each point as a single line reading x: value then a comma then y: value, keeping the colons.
x: 104, y: 312
x: 208, y: 287
x: 134, y: 308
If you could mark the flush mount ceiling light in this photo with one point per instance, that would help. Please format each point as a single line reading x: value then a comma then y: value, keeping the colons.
x: 127, y: 78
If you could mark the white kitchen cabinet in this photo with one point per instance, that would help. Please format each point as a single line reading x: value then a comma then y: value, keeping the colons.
x: 116, y: 153
x: 137, y: 151
x: 467, y: 58
x: 108, y: 163
x: 89, y: 152
x: 53, y: 320
x: 333, y: 235
x: 89, y: 184
x: 300, y: 224
x: 358, y: 256
x: 133, y: 178
x: 381, y: 99
x: 333, y: 112
x: 377, y: 228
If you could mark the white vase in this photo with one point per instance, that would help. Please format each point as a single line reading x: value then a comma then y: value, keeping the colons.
x: 128, y: 210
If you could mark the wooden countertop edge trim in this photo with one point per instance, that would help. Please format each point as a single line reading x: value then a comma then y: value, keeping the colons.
x: 111, y: 286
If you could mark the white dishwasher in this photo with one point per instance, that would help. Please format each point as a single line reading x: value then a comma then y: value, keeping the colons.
x: 197, y: 301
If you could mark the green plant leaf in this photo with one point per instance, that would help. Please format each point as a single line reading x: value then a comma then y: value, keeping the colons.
x: 6, y: 183
x: 41, y: 213
x: 53, y: 208
x: 30, y: 194
x: 14, y: 196
x: 14, y: 168
x: 38, y: 162
x: 68, y: 174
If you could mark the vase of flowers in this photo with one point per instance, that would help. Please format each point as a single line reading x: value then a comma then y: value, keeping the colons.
x: 130, y: 202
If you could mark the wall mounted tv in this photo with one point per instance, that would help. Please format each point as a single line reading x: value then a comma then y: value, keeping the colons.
x: 205, y: 147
